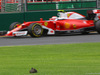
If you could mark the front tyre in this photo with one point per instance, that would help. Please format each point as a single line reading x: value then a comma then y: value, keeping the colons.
x: 35, y: 30
x: 97, y: 26
x: 13, y: 25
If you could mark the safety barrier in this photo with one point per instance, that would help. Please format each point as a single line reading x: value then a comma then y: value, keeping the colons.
x: 7, y: 18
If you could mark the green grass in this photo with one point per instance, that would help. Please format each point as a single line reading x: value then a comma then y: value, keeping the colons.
x: 66, y: 59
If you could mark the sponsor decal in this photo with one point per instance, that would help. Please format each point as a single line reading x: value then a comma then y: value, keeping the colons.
x: 51, y: 31
x: 67, y: 25
x: 74, y: 26
x: 68, y: 15
x: 46, y: 23
x: 20, y: 33
x: 58, y: 26
x: 84, y: 22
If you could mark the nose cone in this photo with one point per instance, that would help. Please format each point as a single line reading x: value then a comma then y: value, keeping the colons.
x: 10, y: 33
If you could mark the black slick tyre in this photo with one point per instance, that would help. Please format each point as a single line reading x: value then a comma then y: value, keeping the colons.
x: 13, y: 25
x: 97, y: 26
x: 35, y: 30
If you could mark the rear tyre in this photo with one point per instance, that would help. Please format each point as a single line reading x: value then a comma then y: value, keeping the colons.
x: 35, y: 30
x: 97, y: 26
x: 13, y: 25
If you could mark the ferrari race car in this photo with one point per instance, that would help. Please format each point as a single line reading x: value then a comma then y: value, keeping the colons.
x: 66, y: 22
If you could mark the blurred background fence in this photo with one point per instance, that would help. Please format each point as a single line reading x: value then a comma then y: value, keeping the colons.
x: 35, y: 5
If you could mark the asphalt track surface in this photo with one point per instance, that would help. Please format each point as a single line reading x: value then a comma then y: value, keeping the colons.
x: 61, y: 39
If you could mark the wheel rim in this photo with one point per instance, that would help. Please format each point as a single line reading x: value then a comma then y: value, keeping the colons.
x: 37, y: 30
x: 16, y: 25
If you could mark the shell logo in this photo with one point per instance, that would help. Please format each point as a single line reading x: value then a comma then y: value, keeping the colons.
x: 45, y: 23
x: 74, y: 26
x: 67, y: 25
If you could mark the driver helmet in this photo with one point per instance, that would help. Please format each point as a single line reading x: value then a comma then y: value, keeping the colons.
x: 53, y: 18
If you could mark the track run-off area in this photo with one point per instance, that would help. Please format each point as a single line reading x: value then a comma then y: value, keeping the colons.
x: 61, y: 39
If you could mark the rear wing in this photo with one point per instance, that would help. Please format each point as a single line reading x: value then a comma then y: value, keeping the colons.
x: 97, y: 11
x: 94, y: 12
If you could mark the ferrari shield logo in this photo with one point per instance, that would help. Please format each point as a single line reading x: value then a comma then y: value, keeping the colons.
x: 45, y: 23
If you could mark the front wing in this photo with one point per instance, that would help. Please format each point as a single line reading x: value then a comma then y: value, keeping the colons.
x: 19, y: 33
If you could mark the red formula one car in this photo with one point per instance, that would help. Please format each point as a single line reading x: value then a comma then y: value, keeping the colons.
x: 66, y: 22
